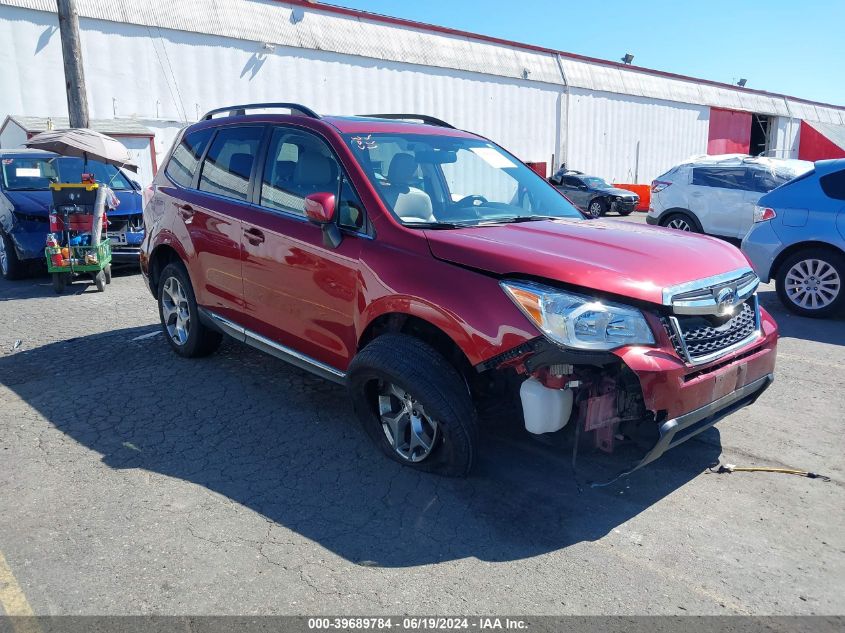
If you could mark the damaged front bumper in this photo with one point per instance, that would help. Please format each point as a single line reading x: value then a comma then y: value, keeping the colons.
x: 678, y: 430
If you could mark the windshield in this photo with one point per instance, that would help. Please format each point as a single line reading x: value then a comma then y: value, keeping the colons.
x: 23, y: 173
x: 595, y: 183
x: 443, y: 182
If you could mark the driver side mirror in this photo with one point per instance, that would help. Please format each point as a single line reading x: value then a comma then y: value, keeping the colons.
x: 320, y: 208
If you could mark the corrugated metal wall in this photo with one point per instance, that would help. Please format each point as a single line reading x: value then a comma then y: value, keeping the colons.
x: 151, y: 73
x: 606, y: 129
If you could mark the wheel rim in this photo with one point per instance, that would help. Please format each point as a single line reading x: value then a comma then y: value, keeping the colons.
x: 175, y: 312
x: 4, y: 258
x: 812, y: 284
x: 679, y: 224
x: 407, y: 427
x: 595, y: 209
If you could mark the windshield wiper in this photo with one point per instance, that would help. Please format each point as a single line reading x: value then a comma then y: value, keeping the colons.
x: 518, y: 218
x: 439, y: 225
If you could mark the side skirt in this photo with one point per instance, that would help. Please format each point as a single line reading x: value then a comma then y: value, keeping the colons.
x: 239, y: 333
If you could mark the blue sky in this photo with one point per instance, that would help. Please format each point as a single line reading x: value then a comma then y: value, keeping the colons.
x: 794, y: 47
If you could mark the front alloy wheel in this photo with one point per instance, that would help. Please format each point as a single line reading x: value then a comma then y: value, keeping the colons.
x: 407, y: 427
x: 175, y: 311
x: 596, y: 209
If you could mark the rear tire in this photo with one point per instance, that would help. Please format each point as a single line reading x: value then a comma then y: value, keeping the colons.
x: 810, y: 282
x: 100, y: 281
x: 681, y: 222
x: 107, y: 273
x: 10, y: 266
x: 414, y: 405
x: 177, y: 309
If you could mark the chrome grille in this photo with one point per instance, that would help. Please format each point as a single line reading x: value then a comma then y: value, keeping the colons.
x: 700, y: 339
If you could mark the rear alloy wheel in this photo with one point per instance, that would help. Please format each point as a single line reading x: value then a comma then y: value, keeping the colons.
x: 179, y: 316
x: 597, y: 208
x: 414, y: 405
x: 10, y: 266
x: 680, y: 222
x: 809, y: 283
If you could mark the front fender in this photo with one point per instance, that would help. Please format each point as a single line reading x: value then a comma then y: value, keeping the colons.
x: 467, y: 306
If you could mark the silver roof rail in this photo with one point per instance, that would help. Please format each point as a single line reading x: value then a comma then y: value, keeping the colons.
x: 240, y: 110
x: 422, y: 118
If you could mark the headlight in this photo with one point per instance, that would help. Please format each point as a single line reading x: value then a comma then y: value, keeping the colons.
x: 577, y: 321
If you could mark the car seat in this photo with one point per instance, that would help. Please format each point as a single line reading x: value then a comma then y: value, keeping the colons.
x: 409, y: 203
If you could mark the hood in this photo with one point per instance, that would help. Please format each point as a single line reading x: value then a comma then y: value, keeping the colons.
x: 609, y: 256
x: 30, y: 202
x: 38, y: 202
x: 616, y: 191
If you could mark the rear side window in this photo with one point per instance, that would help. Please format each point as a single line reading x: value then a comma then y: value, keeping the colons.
x: 721, y: 177
x: 833, y: 185
x: 228, y: 164
x: 186, y: 156
x: 764, y: 180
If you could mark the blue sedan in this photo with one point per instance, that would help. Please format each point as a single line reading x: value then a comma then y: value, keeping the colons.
x: 25, y: 198
x: 798, y: 240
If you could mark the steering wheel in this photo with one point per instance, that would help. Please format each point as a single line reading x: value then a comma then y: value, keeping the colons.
x: 467, y: 200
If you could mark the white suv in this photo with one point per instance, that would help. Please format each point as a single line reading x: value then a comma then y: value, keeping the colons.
x: 717, y: 194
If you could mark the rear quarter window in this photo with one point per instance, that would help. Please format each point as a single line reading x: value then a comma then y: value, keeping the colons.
x: 183, y: 163
x: 833, y: 185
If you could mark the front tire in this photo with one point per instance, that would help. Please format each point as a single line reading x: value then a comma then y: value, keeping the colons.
x: 59, y: 282
x: 597, y: 208
x: 809, y: 282
x: 414, y: 405
x: 177, y: 309
x: 10, y: 266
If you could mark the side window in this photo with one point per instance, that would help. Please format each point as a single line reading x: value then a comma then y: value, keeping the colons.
x: 183, y: 163
x: 833, y: 185
x: 228, y: 164
x: 721, y: 177
x: 351, y: 214
x: 297, y: 165
x: 569, y: 181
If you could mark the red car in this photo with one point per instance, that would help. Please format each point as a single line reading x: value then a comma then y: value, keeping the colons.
x: 430, y: 271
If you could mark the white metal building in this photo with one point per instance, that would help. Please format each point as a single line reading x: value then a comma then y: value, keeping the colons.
x: 164, y: 63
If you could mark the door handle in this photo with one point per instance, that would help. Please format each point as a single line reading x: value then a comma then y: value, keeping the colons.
x: 186, y: 211
x: 254, y: 236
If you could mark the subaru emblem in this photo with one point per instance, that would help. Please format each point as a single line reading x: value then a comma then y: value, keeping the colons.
x: 725, y: 300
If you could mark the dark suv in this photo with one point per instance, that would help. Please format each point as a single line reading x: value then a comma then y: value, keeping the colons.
x: 593, y: 195
x: 429, y: 270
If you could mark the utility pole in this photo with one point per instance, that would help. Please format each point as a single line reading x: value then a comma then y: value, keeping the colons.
x: 77, y: 97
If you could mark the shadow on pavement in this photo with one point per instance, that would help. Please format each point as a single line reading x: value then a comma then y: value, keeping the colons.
x: 830, y: 331
x: 286, y: 445
x: 39, y: 284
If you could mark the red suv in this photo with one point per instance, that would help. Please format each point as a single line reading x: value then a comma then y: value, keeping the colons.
x: 431, y: 272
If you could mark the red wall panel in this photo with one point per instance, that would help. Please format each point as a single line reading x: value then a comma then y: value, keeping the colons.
x: 730, y: 132
x: 815, y: 146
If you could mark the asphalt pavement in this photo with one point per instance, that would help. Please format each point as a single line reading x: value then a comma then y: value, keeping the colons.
x: 134, y: 481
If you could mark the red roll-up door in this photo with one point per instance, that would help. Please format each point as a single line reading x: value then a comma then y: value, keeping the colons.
x: 821, y: 140
x: 730, y: 132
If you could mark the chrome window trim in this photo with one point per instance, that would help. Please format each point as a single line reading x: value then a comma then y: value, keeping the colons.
x: 709, y: 358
